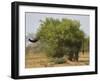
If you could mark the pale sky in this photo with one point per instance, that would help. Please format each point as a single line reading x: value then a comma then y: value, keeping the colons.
x: 33, y: 20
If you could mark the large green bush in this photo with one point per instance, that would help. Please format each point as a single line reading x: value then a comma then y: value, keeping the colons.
x: 59, y: 36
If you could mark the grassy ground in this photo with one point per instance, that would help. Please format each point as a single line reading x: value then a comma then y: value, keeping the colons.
x: 41, y: 60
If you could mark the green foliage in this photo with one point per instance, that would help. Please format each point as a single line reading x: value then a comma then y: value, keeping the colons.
x: 59, y: 36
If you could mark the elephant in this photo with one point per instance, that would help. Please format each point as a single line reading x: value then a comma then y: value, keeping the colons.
x: 73, y: 49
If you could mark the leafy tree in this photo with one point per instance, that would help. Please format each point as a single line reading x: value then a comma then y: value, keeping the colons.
x: 59, y: 37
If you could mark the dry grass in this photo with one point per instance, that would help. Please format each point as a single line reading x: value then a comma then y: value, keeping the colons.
x: 41, y: 60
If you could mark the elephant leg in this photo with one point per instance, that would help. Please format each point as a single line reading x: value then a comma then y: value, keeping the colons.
x: 70, y: 57
x: 76, y: 57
